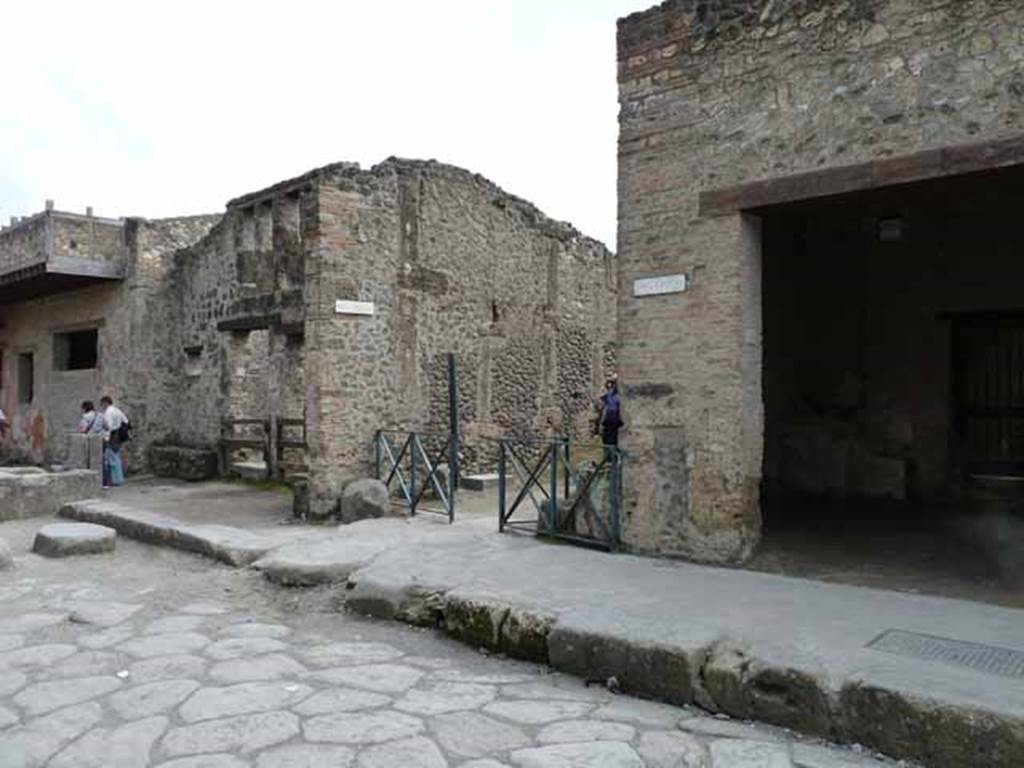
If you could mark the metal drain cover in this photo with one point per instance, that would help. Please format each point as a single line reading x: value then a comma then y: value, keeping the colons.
x: 989, y: 659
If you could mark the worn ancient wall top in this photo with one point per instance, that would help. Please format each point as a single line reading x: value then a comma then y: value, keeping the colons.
x: 24, y: 243
x: 719, y: 93
x: 58, y: 234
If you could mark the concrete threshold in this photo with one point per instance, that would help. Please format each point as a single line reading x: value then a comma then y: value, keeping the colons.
x: 930, y: 679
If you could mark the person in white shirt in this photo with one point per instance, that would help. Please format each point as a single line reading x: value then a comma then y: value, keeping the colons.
x: 3, y: 423
x: 113, y: 438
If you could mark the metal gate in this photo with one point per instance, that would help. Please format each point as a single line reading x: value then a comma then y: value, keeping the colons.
x: 557, y: 489
x: 411, y: 465
x: 989, y: 368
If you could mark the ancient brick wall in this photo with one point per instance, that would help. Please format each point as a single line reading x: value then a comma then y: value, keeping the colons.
x: 453, y: 265
x: 719, y: 93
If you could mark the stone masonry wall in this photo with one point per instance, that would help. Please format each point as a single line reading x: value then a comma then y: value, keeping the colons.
x: 24, y: 243
x: 453, y: 265
x: 718, y: 93
x: 135, y: 323
x: 239, y: 303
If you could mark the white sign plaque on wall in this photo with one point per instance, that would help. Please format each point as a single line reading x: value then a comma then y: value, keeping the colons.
x: 343, y: 307
x: 657, y: 286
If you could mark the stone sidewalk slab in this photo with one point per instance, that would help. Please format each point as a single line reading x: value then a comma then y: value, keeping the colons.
x: 227, y: 544
x: 790, y: 652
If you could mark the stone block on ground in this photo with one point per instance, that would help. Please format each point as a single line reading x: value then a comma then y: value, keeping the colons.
x: 33, y: 492
x: 479, y: 482
x: 85, y: 451
x: 66, y: 539
x: 6, y: 556
x: 299, y: 484
x: 365, y: 499
x: 183, y: 463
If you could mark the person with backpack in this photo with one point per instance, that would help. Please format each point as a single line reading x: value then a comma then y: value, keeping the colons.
x: 116, y: 432
x: 610, y: 417
x: 90, y: 423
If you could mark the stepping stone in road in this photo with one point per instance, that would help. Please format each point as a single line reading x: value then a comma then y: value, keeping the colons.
x: 66, y: 539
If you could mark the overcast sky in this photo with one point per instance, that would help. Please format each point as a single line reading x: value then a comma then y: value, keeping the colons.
x: 172, y: 108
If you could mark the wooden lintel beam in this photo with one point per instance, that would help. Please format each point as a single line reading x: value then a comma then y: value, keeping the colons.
x: 891, y: 171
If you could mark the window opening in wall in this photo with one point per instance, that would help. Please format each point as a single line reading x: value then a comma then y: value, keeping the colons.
x: 26, y: 377
x: 194, y: 360
x: 76, y: 351
x: 494, y: 312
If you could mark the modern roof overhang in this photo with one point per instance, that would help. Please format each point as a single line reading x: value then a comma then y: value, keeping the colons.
x: 55, y: 275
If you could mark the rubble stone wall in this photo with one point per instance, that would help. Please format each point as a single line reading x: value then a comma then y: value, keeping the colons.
x: 719, y: 93
x: 453, y: 265
x: 24, y: 243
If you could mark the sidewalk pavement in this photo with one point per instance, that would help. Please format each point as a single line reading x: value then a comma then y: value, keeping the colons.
x: 932, y: 679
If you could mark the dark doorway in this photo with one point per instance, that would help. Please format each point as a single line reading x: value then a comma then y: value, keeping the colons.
x: 893, y: 375
x: 989, y: 372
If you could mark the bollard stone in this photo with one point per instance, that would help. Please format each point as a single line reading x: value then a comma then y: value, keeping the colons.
x: 365, y: 499
x: 67, y: 539
x: 6, y: 556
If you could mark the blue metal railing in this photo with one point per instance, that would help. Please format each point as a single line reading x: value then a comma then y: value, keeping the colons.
x: 410, y: 464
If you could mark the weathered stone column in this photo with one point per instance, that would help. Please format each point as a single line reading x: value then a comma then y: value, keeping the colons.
x: 691, y: 369
x: 350, y: 368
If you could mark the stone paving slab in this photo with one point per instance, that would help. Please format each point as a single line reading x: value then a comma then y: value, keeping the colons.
x: 785, y: 651
x: 335, y: 690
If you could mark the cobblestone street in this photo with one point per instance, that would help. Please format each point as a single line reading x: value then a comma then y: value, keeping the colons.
x: 149, y: 657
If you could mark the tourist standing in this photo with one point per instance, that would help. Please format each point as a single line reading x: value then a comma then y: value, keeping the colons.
x: 3, y: 423
x: 610, y: 419
x: 91, y: 423
x: 115, y: 434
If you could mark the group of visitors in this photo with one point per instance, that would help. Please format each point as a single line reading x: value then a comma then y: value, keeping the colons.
x: 110, y: 422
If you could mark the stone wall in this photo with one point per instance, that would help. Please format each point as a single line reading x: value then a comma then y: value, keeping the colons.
x: 23, y: 243
x: 719, y: 93
x: 50, y: 234
x: 240, y: 308
x: 88, y: 237
x: 234, y: 316
x: 136, y: 359
x: 453, y: 265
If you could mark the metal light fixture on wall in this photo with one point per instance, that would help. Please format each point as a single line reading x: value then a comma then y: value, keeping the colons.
x: 890, y: 229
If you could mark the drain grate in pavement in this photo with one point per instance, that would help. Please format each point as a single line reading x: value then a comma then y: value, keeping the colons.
x: 989, y: 659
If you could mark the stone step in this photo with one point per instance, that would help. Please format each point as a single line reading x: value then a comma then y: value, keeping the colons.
x: 68, y: 539
x: 479, y: 482
x: 227, y: 544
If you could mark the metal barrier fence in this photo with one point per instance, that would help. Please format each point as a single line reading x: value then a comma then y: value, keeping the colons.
x: 564, y: 491
x: 411, y: 465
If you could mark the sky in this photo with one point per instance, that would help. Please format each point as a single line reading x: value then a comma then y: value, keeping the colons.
x: 172, y: 108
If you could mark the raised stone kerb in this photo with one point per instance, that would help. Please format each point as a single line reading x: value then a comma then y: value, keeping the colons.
x: 66, y: 539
